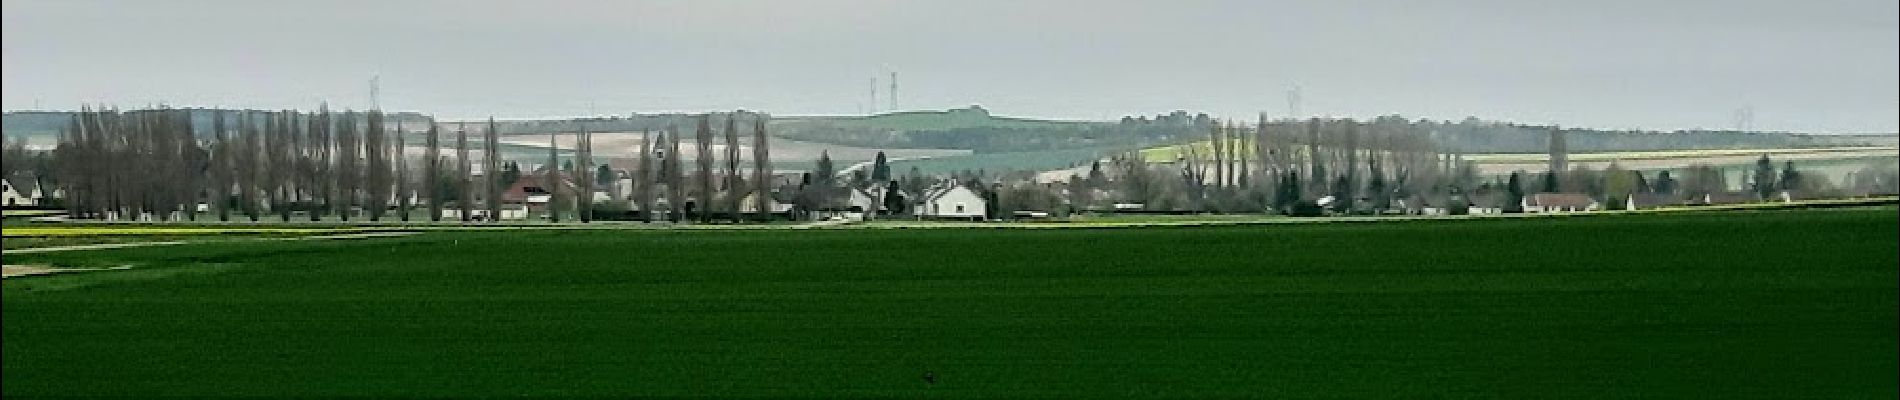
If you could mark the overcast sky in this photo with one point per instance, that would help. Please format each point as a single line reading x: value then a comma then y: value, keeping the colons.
x: 1825, y: 66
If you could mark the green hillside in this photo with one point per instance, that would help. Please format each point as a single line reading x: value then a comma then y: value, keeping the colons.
x: 972, y: 117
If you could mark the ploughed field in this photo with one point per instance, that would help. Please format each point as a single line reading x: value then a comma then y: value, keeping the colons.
x: 1797, y: 303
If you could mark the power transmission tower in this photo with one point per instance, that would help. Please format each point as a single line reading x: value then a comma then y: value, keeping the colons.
x: 893, y: 93
x: 375, y: 91
x: 1293, y: 102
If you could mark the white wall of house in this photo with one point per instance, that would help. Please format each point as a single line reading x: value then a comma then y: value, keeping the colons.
x: 508, y: 212
x: 750, y: 204
x: 863, y: 200
x: 13, y: 198
x: 958, y: 202
x: 1535, y: 209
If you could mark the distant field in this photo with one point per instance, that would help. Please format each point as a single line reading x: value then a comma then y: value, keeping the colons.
x: 1171, y: 153
x: 995, y: 162
x: 626, y: 145
x: 1855, y: 151
x: 924, y: 120
x: 1832, y: 162
x: 1711, y: 305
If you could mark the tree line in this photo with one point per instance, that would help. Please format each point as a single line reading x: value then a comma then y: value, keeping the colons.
x: 149, y: 164
x: 253, y: 165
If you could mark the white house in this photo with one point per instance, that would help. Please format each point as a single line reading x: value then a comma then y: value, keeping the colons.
x: 861, y: 200
x: 20, y: 191
x: 951, y: 200
x: 1559, y: 202
x: 750, y: 204
x: 508, y: 212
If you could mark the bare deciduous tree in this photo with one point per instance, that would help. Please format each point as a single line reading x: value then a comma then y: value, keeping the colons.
x: 703, y: 144
x: 432, y: 171
x: 643, y: 178
x: 552, y: 180
x: 675, y: 176
x: 583, y: 169
x: 733, y: 183
x: 491, y: 171
x: 463, y: 179
x: 404, y: 194
x: 761, y: 169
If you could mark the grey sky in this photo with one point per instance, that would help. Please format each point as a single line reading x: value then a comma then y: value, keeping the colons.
x: 1825, y: 66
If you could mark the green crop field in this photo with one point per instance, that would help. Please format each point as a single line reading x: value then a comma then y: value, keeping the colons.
x: 1737, y: 304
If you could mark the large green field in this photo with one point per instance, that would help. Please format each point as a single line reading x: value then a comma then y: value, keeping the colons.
x: 1711, y: 305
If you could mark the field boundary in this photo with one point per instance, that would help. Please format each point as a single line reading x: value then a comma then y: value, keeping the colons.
x: 213, y: 229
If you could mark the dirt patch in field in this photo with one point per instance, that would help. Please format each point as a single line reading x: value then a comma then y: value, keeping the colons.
x: 9, y: 270
x: 14, y: 271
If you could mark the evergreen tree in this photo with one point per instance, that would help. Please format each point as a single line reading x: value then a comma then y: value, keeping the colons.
x: 1790, y: 179
x: 893, y: 199
x: 510, y: 172
x: 1764, y: 177
x: 880, y: 168
x: 1665, y: 185
x: 1097, y: 179
x: 1515, y: 188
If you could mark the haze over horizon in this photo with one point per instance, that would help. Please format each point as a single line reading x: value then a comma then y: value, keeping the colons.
x: 1822, y: 66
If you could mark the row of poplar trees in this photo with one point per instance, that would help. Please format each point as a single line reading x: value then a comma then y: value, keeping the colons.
x: 154, y: 165
x: 1291, y: 161
x: 661, y: 173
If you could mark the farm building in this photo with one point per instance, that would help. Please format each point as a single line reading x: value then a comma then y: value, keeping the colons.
x: 950, y: 200
x: 1485, y: 203
x: 1559, y: 202
x: 530, y: 194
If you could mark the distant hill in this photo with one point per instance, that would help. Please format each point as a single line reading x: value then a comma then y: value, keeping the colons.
x: 43, y: 127
x: 1474, y: 136
x: 962, y: 118
x: 975, y: 129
